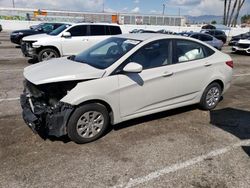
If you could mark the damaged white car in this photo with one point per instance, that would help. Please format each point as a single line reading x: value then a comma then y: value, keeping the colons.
x: 122, y: 78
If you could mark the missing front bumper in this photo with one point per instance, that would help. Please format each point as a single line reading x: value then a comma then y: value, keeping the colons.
x: 41, y: 118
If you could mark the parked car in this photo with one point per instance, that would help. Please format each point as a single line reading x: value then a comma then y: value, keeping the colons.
x: 236, y: 38
x: 217, y: 34
x: 209, y: 39
x: 163, y: 31
x: 67, y: 40
x: 16, y: 36
x: 121, y: 78
x: 142, y: 31
x: 243, y: 45
x: 1, y: 28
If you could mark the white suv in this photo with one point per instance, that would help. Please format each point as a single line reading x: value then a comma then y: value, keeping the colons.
x: 67, y: 40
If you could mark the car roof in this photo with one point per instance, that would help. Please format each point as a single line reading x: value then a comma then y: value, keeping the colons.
x: 89, y: 23
x: 147, y: 36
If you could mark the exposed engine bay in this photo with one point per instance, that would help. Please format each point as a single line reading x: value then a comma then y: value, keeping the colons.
x: 42, y: 109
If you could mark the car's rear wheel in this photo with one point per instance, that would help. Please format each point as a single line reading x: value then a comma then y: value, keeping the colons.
x: 211, y: 96
x: 46, y: 54
x: 88, y: 123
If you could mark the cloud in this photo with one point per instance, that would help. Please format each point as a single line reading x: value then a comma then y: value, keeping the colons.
x: 125, y: 9
x: 135, y: 10
x: 107, y: 9
x: 186, y: 2
x: 155, y: 12
x: 207, y: 7
x: 78, y: 5
x: 136, y: 1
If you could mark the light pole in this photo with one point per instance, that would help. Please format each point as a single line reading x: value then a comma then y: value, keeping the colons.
x: 163, y: 10
x: 13, y: 3
x: 103, y: 6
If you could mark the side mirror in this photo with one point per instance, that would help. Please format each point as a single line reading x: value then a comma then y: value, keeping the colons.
x: 66, y: 34
x: 133, y: 68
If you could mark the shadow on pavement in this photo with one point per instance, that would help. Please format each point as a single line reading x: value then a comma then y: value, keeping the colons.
x: 32, y: 61
x: 234, y: 121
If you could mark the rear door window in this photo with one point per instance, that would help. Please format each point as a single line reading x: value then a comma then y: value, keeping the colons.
x: 96, y: 30
x: 195, y: 36
x: 188, y: 51
x: 206, y: 38
x: 114, y: 30
x: 219, y: 33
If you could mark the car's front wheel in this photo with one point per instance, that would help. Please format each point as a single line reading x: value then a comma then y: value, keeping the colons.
x: 211, y: 96
x: 88, y: 123
x: 46, y: 54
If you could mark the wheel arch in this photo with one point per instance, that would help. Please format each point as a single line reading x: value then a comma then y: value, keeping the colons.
x: 102, y: 102
x: 51, y: 47
x: 220, y: 82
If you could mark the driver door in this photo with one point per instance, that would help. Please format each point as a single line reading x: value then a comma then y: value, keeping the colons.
x: 145, y: 91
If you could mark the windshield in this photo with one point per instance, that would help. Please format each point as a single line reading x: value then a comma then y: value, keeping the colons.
x: 36, y: 26
x: 59, y: 29
x: 107, y: 52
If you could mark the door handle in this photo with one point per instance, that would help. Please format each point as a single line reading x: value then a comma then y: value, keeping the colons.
x: 167, y: 74
x: 85, y: 39
x: 208, y: 64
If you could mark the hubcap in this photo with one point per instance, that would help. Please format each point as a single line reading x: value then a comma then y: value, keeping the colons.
x: 213, y: 96
x: 90, y: 124
x: 48, y: 55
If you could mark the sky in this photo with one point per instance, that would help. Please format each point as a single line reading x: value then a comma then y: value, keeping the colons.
x: 186, y: 7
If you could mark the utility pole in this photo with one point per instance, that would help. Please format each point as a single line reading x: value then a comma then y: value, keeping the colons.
x: 163, y: 10
x: 103, y: 6
x: 13, y: 3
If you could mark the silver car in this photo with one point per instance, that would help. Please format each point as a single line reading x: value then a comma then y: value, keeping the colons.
x: 209, y: 39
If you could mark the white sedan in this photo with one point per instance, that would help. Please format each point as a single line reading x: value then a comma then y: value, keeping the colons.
x: 122, y: 78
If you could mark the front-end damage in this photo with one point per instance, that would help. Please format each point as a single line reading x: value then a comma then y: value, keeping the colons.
x: 42, y: 110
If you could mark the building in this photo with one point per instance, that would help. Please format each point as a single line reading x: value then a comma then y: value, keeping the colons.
x: 69, y: 16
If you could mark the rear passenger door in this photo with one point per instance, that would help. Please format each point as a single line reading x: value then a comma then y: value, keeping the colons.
x: 191, y: 69
x: 78, y: 41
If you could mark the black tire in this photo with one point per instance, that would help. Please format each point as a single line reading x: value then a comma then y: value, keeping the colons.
x: 41, y: 54
x: 78, y: 115
x: 204, y: 104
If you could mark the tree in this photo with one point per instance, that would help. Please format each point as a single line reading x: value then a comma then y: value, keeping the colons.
x: 240, y: 4
x: 225, y: 12
x: 245, y: 19
x: 213, y: 22
x: 228, y: 10
x: 231, y: 14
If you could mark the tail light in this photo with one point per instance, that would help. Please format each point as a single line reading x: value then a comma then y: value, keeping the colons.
x: 230, y: 64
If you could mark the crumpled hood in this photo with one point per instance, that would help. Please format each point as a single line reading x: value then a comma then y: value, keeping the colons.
x: 59, y: 70
x: 36, y: 37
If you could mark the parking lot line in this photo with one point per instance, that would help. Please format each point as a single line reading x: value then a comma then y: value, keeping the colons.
x: 182, y: 165
x: 12, y: 70
x: 239, y: 75
x: 10, y: 99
